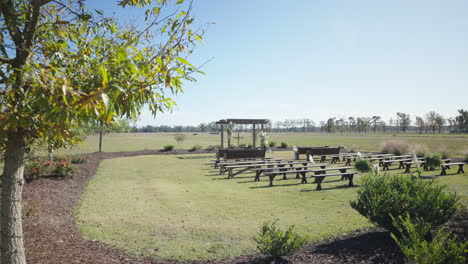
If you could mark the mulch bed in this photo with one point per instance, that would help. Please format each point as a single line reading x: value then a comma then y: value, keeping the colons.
x: 51, y: 235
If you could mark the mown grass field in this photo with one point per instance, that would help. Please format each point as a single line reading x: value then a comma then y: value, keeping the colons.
x: 176, y: 207
x: 455, y: 144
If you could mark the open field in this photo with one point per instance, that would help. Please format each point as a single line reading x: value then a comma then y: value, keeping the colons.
x: 456, y: 144
x: 175, y: 207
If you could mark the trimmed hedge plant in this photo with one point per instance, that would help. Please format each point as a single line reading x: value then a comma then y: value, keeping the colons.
x: 275, y: 242
x: 363, y: 166
x: 384, y: 196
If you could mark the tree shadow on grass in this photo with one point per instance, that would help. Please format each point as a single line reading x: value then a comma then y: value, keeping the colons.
x: 372, y: 247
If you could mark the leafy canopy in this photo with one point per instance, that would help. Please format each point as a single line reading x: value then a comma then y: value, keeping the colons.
x: 72, y: 66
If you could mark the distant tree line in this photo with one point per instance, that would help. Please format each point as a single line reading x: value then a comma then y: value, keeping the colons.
x: 432, y: 122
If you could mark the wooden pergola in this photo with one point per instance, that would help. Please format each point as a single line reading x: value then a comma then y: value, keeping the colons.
x: 252, y: 122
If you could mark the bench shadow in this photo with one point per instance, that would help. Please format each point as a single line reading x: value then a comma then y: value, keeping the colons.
x: 194, y: 157
x: 280, y: 185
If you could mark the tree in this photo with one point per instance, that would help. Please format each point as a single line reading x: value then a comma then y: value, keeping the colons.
x: 462, y: 121
x: 375, y: 122
x: 431, y: 120
x: 64, y: 66
x: 420, y: 124
x: 440, y: 122
x: 403, y: 121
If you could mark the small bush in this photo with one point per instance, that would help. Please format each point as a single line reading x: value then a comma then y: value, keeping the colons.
x: 444, y: 248
x: 397, y: 147
x: 168, y: 147
x: 433, y: 160
x: 420, y: 149
x: 363, y: 166
x: 271, y: 144
x: 274, y: 242
x: 38, y: 169
x: 78, y: 158
x: 284, y: 144
x: 213, y: 147
x: 392, y: 195
x: 179, y: 138
x: 249, y: 146
x: 196, y: 147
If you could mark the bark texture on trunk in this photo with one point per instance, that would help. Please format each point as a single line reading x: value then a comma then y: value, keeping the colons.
x: 12, y: 248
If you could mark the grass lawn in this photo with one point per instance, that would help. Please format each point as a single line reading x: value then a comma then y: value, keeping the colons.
x: 456, y: 144
x: 172, y: 207
x: 175, y: 207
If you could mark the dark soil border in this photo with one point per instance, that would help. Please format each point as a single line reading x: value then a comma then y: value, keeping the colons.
x: 51, y: 235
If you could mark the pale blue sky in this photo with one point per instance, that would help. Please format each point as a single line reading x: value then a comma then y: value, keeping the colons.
x: 317, y: 59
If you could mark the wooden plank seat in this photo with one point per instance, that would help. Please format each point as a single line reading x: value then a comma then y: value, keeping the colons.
x: 222, y: 165
x: 217, y: 162
x: 446, y: 166
x: 297, y: 169
x: 247, y: 167
x: 408, y: 164
x: 319, y: 175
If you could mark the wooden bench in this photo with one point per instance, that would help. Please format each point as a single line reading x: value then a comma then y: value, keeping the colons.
x: 247, y: 167
x: 297, y: 169
x: 319, y: 175
x: 387, y: 163
x: 408, y: 164
x: 222, y: 165
x: 446, y: 166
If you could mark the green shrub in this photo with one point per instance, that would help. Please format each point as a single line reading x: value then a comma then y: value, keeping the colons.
x: 249, y: 146
x: 433, y: 160
x: 274, y: 242
x: 444, y: 248
x: 168, y: 147
x: 363, y: 166
x: 196, y: 147
x: 78, y: 158
x: 388, y: 195
x: 284, y: 144
x: 397, y: 147
x: 271, y: 144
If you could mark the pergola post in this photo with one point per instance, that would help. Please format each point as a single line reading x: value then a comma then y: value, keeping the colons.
x: 254, y: 136
x: 222, y: 136
x: 261, y: 129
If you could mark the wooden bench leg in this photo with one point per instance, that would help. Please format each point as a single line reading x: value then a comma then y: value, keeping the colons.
x: 304, y: 178
x: 350, y: 178
x: 408, y: 168
x: 272, y: 177
x: 460, y: 169
x: 401, y: 165
x: 348, y: 162
x: 444, y: 170
x: 257, y: 175
x: 319, y: 182
x: 322, y: 159
x: 343, y: 177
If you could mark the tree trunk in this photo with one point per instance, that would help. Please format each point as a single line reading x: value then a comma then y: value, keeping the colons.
x: 12, y: 248
x: 100, y: 140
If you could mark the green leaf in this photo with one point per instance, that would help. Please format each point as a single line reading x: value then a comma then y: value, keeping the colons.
x: 105, y: 100
x: 179, y: 2
x: 105, y: 79
x: 184, y: 61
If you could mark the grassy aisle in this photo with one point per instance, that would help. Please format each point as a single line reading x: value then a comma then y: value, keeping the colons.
x: 173, y: 207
